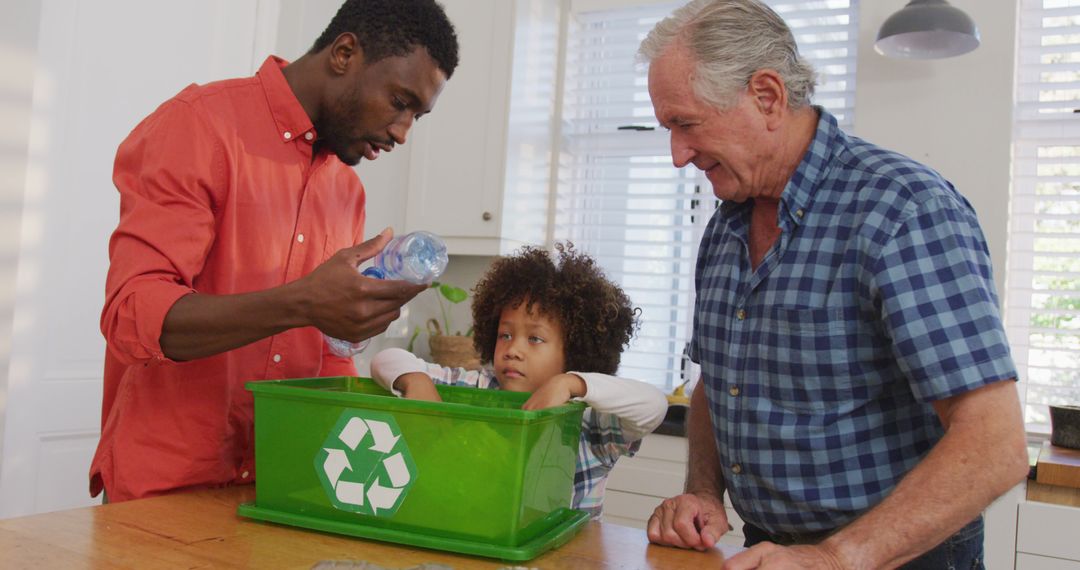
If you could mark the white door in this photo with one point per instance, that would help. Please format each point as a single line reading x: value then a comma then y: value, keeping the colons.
x: 101, y: 67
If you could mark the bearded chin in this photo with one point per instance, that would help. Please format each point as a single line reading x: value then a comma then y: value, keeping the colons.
x: 333, y: 141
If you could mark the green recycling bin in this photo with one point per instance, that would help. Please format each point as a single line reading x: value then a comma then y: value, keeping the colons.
x: 473, y: 474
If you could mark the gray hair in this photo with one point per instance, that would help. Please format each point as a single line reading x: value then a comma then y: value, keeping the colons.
x: 730, y: 40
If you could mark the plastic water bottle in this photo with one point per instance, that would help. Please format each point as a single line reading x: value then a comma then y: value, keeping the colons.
x: 417, y: 257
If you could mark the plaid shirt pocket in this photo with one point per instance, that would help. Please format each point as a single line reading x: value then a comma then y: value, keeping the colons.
x: 806, y: 357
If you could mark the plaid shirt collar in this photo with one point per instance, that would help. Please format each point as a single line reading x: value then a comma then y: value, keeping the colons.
x: 808, y: 176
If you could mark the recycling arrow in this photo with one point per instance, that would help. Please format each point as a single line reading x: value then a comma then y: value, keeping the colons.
x: 365, y: 465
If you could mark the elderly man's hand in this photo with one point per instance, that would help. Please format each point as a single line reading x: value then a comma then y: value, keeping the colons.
x: 689, y: 521
x: 769, y: 556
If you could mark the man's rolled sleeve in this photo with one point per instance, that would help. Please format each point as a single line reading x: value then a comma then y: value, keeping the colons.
x: 166, y: 227
x: 132, y: 323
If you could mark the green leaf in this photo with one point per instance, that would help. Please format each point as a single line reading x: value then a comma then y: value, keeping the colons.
x: 412, y: 339
x: 453, y: 294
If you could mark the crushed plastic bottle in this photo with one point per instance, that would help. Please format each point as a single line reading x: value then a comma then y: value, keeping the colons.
x: 417, y: 257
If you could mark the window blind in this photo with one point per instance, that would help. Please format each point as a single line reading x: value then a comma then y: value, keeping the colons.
x: 1042, y: 311
x: 618, y: 196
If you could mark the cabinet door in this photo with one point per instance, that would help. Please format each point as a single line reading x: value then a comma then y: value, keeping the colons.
x: 458, y: 151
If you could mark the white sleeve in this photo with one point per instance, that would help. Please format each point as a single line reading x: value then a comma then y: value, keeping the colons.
x: 639, y: 406
x: 391, y: 364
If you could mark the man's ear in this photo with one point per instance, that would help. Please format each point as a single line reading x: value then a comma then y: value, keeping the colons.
x: 769, y: 93
x: 345, y: 51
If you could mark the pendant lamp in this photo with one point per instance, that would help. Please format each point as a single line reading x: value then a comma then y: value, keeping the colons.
x: 927, y: 29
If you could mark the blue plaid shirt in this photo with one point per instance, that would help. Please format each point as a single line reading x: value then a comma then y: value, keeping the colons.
x: 820, y: 365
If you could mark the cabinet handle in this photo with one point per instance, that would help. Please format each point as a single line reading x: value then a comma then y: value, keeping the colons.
x: 486, y: 216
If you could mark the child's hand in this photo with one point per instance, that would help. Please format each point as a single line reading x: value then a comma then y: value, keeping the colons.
x: 556, y: 392
x: 417, y: 386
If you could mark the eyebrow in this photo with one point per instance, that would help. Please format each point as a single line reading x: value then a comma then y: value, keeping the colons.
x: 530, y: 327
x: 415, y: 99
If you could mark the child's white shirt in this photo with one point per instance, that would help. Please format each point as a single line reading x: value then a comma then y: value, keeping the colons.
x: 621, y: 411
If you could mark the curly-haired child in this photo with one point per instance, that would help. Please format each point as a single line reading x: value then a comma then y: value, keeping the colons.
x: 557, y: 330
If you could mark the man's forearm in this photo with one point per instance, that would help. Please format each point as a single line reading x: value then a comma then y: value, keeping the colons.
x: 200, y: 325
x: 981, y: 456
x: 703, y: 465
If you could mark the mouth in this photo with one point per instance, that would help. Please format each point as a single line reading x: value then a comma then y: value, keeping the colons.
x: 709, y: 169
x: 512, y: 373
x: 371, y: 150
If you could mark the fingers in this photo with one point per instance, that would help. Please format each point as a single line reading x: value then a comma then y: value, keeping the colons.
x: 712, y: 527
x: 366, y: 250
x: 400, y: 292
x: 366, y: 327
x: 672, y: 523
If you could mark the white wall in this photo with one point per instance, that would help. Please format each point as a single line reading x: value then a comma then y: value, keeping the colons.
x: 954, y: 115
x: 18, y: 56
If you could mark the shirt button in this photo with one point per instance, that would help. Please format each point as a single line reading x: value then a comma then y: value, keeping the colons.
x: 300, y: 238
x: 309, y: 135
x: 277, y: 358
x: 734, y: 391
x: 244, y: 475
x: 741, y: 314
x: 736, y: 468
x: 287, y: 135
x: 799, y: 212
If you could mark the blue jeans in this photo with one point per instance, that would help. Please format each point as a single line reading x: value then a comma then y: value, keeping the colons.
x: 961, y: 551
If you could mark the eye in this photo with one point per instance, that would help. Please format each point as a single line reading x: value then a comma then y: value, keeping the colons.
x: 399, y: 104
x: 503, y: 336
x: 536, y: 340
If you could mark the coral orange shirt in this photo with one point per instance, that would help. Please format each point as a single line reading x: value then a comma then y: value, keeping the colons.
x: 219, y: 194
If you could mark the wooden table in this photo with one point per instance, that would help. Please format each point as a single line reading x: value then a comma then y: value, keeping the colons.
x: 1057, y: 476
x: 201, y: 529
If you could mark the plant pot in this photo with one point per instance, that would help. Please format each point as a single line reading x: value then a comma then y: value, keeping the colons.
x: 454, y: 351
x: 1065, y: 426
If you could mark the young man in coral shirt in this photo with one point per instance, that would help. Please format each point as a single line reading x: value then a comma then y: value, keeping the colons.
x: 236, y: 248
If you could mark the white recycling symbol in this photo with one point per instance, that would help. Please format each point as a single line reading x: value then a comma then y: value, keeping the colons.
x: 375, y: 495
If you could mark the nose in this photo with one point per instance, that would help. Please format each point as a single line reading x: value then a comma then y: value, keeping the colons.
x: 681, y: 153
x: 513, y: 349
x: 399, y: 129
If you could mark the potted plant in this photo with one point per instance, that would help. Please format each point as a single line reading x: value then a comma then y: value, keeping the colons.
x: 449, y: 349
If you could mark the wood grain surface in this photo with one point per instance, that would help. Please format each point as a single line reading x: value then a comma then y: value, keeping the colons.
x: 200, y: 529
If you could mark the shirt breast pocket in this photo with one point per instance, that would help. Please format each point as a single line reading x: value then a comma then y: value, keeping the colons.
x: 335, y: 242
x: 808, y: 357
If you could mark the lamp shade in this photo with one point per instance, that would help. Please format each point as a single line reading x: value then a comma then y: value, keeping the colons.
x: 927, y: 29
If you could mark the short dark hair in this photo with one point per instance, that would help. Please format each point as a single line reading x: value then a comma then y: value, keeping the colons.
x: 596, y: 316
x: 388, y: 28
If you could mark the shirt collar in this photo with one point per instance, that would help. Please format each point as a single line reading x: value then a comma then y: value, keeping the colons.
x: 292, y: 121
x: 799, y: 191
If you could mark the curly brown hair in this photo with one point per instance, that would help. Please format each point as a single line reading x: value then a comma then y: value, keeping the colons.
x: 596, y: 316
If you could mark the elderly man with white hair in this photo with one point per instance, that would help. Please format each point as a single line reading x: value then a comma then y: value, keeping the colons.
x: 857, y: 400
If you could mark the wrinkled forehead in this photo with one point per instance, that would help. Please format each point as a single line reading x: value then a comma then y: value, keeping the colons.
x: 670, y: 75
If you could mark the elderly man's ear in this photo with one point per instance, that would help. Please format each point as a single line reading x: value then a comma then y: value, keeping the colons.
x: 767, y: 89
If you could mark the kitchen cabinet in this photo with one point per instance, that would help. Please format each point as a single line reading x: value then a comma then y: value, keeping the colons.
x: 1046, y: 536
x: 638, y: 484
x: 481, y: 164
